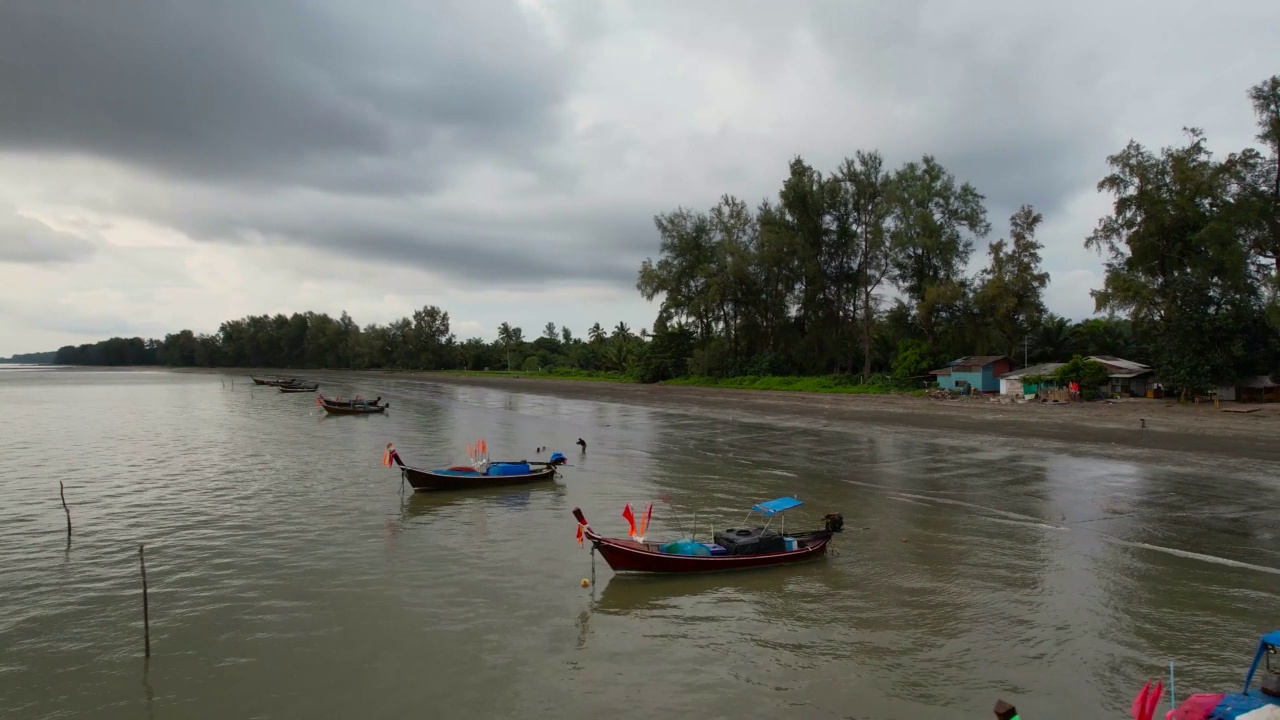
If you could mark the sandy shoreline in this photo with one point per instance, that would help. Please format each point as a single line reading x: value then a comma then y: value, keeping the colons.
x: 1169, y: 426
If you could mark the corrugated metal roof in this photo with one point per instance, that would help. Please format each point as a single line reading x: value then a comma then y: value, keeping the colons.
x: 979, y: 360
x: 1041, y: 369
x: 1120, y: 363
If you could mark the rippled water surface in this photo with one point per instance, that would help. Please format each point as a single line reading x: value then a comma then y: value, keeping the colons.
x: 291, y: 578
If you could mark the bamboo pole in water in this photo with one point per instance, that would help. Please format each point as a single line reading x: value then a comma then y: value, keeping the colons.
x: 62, y: 492
x: 146, y: 616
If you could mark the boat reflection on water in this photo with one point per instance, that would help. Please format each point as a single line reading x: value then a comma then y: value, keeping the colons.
x: 638, y: 594
x: 421, y: 505
x: 473, y: 506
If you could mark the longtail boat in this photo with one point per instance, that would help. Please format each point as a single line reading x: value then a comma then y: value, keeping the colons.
x: 1262, y: 703
x: 274, y: 382
x: 481, y: 473
x: 299, y: 387
x: 741, y: 548
x: 357, y: 406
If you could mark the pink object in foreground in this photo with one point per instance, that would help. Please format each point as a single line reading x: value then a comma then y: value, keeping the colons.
x: 1144, y: 705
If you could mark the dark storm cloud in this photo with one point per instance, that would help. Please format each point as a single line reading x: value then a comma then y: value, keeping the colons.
x: 594, y: 244
x: 378, y: 98
x: 1005, y: 98
x: 24, y: 240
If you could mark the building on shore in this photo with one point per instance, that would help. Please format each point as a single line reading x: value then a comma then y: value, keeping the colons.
x: 973, y: 373
x: 1125, y: 378
x: 1029, y: 380
x: 1253, y: 389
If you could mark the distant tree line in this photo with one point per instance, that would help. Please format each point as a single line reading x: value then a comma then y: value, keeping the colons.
x: 796, y: 285
x: 422, y: 341
x: 40, y: 358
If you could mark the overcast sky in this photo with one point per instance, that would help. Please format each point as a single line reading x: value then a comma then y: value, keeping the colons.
x: 169, y: 165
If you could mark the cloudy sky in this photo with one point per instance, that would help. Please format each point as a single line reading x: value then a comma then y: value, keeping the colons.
x: 173, y: 164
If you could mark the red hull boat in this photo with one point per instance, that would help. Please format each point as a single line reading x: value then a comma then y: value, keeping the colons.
x: 638, y: 556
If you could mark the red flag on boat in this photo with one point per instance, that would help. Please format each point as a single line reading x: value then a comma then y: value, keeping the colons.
x: 631, y: 519
x: 1144, y: 704
x: 580, y: 526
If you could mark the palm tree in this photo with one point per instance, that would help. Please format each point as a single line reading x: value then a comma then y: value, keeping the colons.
x: 507, y: 338
x: 596, y: 333
x: 621, y: 331
x: 1055, y: 340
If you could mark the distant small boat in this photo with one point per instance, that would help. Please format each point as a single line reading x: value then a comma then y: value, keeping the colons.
x: 1262, y: 703
x: 274, y: 381
x: 308, y: 387
x: 741, y: 548
x: 482, y: 473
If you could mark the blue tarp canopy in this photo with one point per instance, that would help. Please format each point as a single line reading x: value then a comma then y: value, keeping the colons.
x: 773, y: 507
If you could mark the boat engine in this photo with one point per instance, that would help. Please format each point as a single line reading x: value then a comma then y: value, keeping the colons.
x: 1270, y: 684
x: 835, y: 522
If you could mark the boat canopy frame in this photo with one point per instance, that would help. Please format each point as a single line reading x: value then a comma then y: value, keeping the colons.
x: 773, y: 508
x: 1268, y: 645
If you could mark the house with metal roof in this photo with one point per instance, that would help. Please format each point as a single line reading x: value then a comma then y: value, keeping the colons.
x: 973, y: 373
x: 1125, y: 377
x: 1259, y: 388
x: 1028, y: 381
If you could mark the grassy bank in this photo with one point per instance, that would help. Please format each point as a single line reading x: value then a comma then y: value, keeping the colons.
x: 822, y: 384
x: 556, y: 374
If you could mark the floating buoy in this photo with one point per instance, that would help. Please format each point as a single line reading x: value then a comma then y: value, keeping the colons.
x: 586, y: 582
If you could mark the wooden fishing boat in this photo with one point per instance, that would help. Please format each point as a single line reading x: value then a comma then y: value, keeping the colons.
x: 355, y: 406
x: 482, y: 473
x: 742, y: 548
x: 273, y: 381
x: 1262, y: 703
x: 299, y: 387
x: 354, y: 409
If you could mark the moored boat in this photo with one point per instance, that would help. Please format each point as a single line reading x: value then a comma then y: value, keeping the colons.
x: 741, y: 548
x: 355, y: 406
x: 481, y: 473
x: 274, y: 381
x: 299, y: 387
x: 1261, y: 703
x: 354, y: 409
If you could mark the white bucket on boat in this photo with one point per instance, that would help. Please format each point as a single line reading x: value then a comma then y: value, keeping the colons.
x: 791, y: 543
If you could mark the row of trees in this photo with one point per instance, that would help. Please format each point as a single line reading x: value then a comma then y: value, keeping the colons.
x: 425, y: 341
x: 797, y: 285
x: 38, y: 358
x: 422, y: 341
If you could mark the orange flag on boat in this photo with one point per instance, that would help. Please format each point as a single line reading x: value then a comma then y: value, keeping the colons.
x: 386, y: 456
x: 644, y: 521
x: 631, y: 519
x: 580, y: 526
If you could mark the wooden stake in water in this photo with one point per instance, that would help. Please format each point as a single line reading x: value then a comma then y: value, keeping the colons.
x: 62, y: 492
x: 146, y: 615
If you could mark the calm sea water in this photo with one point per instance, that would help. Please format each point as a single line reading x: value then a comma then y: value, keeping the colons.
x: 291, y: 577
